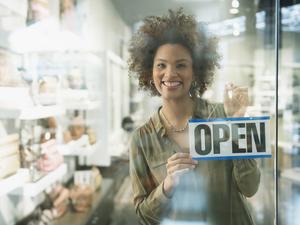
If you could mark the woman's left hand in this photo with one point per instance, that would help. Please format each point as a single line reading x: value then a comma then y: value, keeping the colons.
x: 236, y: 100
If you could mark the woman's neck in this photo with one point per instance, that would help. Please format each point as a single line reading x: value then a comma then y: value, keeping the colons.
x: 178, y: 112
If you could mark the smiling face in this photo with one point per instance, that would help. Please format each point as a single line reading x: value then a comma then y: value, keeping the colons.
x: 173, y: 71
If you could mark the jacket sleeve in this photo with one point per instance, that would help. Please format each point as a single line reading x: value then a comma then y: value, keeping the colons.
x: 149, y: 200
x: 247, y: 176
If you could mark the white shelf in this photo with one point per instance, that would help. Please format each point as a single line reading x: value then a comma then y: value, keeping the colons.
x: 76, y: 150
x: 12, y: 182
x: 78, y: 99
x: 18, y: 7
x: 85, y: 105
x: 33, y: 189
x: 31, y: 113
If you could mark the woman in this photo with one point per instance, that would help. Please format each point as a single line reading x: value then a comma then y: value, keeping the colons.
x: 175, y: 59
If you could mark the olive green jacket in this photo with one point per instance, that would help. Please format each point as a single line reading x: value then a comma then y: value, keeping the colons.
x: 226, y: 183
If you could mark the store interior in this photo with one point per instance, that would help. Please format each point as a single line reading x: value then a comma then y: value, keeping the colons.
x: 68, y: 103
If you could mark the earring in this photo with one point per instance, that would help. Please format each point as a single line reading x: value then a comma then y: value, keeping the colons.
x: 151, y: 82
x: 193, y: 88
x: 203, y: 87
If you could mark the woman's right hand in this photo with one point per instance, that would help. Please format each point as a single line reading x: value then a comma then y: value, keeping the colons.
x: 177, y: 164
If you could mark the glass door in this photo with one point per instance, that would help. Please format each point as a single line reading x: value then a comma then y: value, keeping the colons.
x: 236, y: 102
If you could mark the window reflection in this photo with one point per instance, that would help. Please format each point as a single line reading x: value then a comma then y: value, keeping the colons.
x: 83, y: 45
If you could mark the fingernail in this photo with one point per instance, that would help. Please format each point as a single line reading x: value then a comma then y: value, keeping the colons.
x: 195, y: 161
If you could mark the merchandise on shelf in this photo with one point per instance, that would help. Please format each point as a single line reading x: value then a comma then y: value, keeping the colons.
x: 57, y: 201
x: 81, y: 197
x: 50, y: 157
x: 48, y: 90
x: 86, y: 182
x: 9, y: 155
x: 37, y: 10
x: 77, y: 130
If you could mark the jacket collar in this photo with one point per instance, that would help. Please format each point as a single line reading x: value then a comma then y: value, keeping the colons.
x: 157, y: 123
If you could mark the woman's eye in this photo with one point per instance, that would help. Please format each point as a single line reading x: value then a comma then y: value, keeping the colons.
x: 160, y: 65
x: 181, y: 65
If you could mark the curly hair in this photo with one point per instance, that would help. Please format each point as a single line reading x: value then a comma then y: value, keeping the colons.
x: 174, y: 28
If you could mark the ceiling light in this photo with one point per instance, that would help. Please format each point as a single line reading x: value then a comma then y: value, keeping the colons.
x: 235, y: 4
x: 234, y: 11
x: 236, y: 32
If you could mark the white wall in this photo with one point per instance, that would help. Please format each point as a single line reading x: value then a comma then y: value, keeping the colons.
x: 104, y: 28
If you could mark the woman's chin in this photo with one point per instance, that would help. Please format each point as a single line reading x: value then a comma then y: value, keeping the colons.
x: 174, y: 96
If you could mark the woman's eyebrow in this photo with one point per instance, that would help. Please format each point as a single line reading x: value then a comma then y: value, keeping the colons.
x: 178, y: 60
x: 159, y: 59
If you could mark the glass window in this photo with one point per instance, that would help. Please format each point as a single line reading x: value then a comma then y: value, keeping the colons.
x: 175, y: 116
x: 288, y: 118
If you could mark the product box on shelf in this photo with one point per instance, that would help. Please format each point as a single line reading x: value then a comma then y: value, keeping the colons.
x: 9, y: 155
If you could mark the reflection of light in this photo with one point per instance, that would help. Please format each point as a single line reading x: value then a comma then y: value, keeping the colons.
x: 235, y: 4
x: 260, y: 20
x: 234, y: 11
x: 290, y: 18
x: 236, y: 29
x: 227, y: 27
x: 236, y: 32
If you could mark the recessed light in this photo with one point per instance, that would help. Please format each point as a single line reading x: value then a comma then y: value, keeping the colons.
x: 235, y: 3
x: 233, y: 11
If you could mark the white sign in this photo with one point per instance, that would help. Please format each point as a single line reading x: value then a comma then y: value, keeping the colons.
x: 230, y: 138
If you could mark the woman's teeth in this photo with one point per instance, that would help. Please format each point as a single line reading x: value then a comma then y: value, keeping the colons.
x: 171, y: 83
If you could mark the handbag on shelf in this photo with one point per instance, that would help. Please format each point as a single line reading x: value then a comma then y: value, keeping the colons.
x: 50, y: 158
x: 86, y: 182
x: 9, y: 155
x: 59, y: 201
x: 81, y: 197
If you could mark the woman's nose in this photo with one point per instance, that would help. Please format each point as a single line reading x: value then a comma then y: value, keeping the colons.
x: 171, y: 71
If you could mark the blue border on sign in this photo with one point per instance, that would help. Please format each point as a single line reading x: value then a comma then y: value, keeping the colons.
x: 229, y: 119
x: 233, y: 157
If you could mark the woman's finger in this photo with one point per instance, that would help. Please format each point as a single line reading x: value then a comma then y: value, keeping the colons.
x: 178, y: 167
x: 182, y: 161
x: 179, y: 155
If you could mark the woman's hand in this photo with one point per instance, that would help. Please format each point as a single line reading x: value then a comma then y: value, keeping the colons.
x: 177, y: 164
x: 235, y: 100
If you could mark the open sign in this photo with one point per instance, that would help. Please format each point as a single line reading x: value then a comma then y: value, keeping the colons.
x: 230, y: 138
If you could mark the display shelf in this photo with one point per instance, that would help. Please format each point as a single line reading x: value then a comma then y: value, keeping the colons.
x: 98, y: 213
x: 12, y: 17
x: 12, y: 182
x: 31, y: 113
x: 292, y: 174
x: 33, y: 189
x: 17, y: 7
x: 74, y: 99
x: 73, y: 149
x: 85, y: 105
